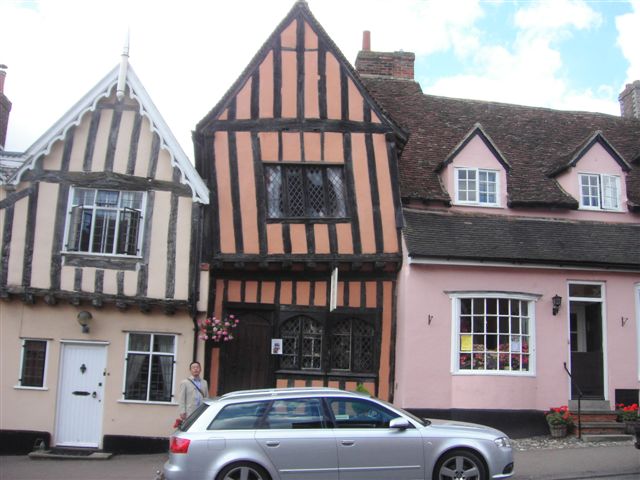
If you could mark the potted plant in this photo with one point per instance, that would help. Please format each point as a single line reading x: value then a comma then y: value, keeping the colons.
x: 218, y: 330
x: 629, y: 415
x: 559, y: 420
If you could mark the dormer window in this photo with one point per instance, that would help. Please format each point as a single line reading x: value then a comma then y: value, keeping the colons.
x: 599, y: 191
x: 475, y: 186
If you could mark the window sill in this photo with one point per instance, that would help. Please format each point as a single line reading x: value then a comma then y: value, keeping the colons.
x: 503, y: 373
x: 21, y: 387
x: 110, y: 262
x: 142, y: 402
x: 601, y: 210
x: 476, y: 205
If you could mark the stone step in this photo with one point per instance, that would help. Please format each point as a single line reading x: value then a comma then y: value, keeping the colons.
x: 590, y: 405
x: 602, y: 428
x: 606, y: 438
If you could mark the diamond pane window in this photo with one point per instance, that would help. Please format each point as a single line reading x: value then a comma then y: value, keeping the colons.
x: 309, y: 190
x: 34, y: 355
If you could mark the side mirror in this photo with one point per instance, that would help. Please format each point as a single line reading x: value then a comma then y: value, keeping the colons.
x: 399, y: 423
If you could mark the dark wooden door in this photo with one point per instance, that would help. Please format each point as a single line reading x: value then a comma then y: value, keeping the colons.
x: 587, y: 365
x: 246, y: 361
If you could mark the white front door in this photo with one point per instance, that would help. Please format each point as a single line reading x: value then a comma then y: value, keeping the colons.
x: 80, y: 394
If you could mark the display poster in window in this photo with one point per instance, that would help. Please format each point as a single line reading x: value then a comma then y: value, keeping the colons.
x: 516, y: 344
x: 466, y: 343
x: 276, y: 346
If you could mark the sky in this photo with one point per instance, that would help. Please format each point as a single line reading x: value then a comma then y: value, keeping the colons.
x: 561, y: 54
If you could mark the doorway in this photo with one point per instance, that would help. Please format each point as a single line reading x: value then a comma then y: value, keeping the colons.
x: 81, y: 394
x: 587, y: 340
x: 246, y: 361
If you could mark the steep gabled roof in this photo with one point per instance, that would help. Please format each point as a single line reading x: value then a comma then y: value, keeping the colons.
x: 88, y: 103
x: 574, y: 157
x: 476, y: 131
x: 299, y: 11
x: 536, y: 141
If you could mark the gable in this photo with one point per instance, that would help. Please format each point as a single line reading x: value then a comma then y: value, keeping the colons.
x: 94, y: 125
x: 298, y: 74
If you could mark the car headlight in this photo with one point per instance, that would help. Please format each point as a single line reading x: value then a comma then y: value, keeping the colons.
x: 503, y: 442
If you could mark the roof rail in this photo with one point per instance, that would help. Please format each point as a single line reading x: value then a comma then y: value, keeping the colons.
x: 283, y: 391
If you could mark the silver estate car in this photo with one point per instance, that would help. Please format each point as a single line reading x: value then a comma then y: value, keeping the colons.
x: 328, y: 434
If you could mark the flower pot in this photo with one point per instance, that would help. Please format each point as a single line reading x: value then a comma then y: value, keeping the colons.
x: 558, y: 431
x: 630, y: 426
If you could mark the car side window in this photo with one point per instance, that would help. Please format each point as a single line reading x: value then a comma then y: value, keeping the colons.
x: 239, y: 416
x: 360, y: 413
x: 304, y: 413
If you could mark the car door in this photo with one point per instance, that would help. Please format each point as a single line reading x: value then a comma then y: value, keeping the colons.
x: 296, y: 438
x: 368, y: 449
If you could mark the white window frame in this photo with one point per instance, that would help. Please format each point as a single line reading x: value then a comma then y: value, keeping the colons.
x: 600, y: 192
x: 476, y: 190
x: 150, y: 353
x: 531, y: 299
x: 118, y: 210
x: 46, y: 364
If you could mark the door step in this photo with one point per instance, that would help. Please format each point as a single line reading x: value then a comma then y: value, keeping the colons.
x: 590, y: 405
x: 70, y: 454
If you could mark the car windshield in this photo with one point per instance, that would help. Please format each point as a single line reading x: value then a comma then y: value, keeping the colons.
x: 184, y: 426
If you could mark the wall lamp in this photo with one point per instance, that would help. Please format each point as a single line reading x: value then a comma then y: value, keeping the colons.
x: 84, y: 318
x: 556, y: 301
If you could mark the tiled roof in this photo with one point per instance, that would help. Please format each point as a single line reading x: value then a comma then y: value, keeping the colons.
x: 447, y: 236
x: 534, y: 141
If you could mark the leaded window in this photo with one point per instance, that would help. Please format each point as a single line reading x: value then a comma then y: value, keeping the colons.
x: 150, y: 360
x: 301, y: 343
x: 336, y: 343
x: 105, y: 221
x: 32, y: 369
x: 352, y: 345
x: 493, y: 334
x: 305, y: 191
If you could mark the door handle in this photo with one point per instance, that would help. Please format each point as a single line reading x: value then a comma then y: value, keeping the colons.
x: 272, y: 443
x: 348, y: 443
x: 94, y: 394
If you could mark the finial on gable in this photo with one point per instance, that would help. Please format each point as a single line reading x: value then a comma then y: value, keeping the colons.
x: 122, y: 75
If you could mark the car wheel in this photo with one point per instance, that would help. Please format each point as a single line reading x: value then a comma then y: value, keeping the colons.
x: 243, y: 471
x: 460, y: 465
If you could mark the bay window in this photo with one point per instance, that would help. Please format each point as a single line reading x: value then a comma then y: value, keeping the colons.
x: 493, y: 334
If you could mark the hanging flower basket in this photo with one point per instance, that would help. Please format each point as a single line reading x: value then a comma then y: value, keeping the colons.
x: 218, y: 330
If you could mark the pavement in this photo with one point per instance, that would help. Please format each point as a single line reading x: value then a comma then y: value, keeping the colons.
x: 535, y: 459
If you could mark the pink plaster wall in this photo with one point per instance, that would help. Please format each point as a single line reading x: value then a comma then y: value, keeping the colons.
x: 424, y: 377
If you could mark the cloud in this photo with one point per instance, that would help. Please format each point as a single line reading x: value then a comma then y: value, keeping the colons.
x: 628, y: 26
x: 529, y: 70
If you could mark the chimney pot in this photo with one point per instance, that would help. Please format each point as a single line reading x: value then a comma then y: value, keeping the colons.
x: 3, y: 74
x: 366, y: 41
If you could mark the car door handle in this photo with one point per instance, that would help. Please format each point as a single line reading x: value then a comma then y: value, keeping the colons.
x: 347, y: 443
x: 272, y: 443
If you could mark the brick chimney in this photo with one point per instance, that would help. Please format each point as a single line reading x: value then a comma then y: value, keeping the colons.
x: 384, y: 64
x: 630, y: 100
x: 5, y: 108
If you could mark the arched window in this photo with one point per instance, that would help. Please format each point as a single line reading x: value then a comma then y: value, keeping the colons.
x: 352, y: 345
x: 301, y: 343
